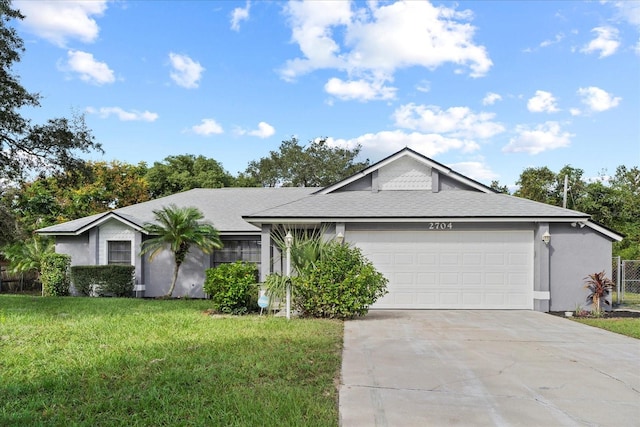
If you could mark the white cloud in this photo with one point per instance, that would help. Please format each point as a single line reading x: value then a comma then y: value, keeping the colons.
x: 423, y: 86
x: 390, y: 141
x: 125, y: 116
x: 265, y: 130
x: 597, y: 99
x: 238, y: 15
x: 360, y: 90
x: 629, y: 11
x: 557, y: 39
x: 60, y: 21
x: 606, y: 42
x: 491, y: 98
x: 377, y: 40
x: 575, y: 111
x: 544, y: 137
x: 479, y: 171
x: 89, y: 70
x: 186, y: 72
x: 542, y: 102
x: 207, y: 127
x: 455, y: 121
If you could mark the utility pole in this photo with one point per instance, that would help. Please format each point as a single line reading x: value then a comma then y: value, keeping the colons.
x: 566, y: 187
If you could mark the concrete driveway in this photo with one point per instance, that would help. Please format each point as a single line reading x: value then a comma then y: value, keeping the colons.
x: 486, y: 368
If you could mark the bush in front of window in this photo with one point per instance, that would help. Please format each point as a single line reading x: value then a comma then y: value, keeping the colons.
x: 113, y: 280
x: 232, y: 287
x: 55, y: 275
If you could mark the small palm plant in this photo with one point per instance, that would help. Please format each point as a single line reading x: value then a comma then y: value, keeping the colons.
x: 26, y: 256
x: 178, y: 229
x: 599, y: 287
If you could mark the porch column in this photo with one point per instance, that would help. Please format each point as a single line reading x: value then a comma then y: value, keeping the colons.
x: 265, y: 252
x: 541, y: 282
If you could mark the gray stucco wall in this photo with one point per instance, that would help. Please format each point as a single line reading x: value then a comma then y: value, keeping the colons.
x: 575, y: 253
x: 159, y: 273
x: 77, y: 247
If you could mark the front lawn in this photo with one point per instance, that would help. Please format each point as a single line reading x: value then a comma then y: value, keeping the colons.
x: 111, y: 361
x: 625, y: 326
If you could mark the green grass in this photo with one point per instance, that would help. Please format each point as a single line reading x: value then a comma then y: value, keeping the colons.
x: 625, y: 326
x: 631, y: 300
x: 108, y: 361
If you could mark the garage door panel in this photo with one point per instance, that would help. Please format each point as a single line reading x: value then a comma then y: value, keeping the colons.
x: 449, y: 259
x: 427, y: 278
x: 451, y: 269
x: 403, y: 279
x: 472, y: 259
x: 472, y: 299
x: 403, y: 259
x: 494, y: 299
x: 427, y: 298
x: 494, y: 259
x: 472, y: 279
x: 427, y: 259
x: 448, y: 279
x: 494, y: 279
x: 518, y: 259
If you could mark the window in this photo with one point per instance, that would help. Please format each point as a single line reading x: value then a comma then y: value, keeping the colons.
x: 119, y: 252
x: 238, y: 250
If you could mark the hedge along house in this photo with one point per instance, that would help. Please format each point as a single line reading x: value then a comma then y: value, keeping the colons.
x: 443, y: 240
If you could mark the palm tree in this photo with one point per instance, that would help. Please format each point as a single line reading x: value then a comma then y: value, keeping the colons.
x: 26, y: 256
x: 178, y: 229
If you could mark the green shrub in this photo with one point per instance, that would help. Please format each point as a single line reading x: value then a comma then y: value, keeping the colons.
x: 55, y: 274
x: 233, y: 287
x: 341, y: 284
x: 116, y: 280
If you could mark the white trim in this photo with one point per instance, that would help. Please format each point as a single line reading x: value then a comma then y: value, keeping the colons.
x: 314, y: 220
x: 106, y: 249
x: 542, y: 295
x: 611, y: 234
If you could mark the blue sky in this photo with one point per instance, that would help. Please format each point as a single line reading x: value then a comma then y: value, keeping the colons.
x: 488, y: 88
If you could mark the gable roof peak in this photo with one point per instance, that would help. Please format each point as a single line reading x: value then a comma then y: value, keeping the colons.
x: 408, y: 152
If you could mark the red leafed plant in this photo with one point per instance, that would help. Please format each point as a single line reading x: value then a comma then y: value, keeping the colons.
x: 599, y: 287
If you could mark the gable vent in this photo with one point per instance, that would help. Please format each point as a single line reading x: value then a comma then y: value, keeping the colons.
x: 404, y: 174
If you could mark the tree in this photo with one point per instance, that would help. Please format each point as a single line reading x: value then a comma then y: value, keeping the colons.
x: 575, y: 187
x: 495, y: 185
x: 9, y: 228
x: 25, y: 146
x: 27, y: 256
x: 178, y: 229
x: 626, y: 186
x: 185, y: 172
x: 537, y: 184
x: 316, y: 165
x: 93, y: 187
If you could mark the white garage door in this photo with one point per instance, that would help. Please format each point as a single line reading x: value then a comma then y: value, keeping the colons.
x: 452, y: 269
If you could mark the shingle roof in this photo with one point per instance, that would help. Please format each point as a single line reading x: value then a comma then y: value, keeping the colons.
x: 414, y: 204
x: 223, y: 207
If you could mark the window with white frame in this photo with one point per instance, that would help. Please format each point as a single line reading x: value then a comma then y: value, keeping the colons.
x: 119, y: 252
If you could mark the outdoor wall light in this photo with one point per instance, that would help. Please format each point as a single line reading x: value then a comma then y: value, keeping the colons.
x: 339, y: 238
x: 546, y: 237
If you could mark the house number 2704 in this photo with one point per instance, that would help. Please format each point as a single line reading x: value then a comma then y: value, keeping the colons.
x: 440, y: 226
